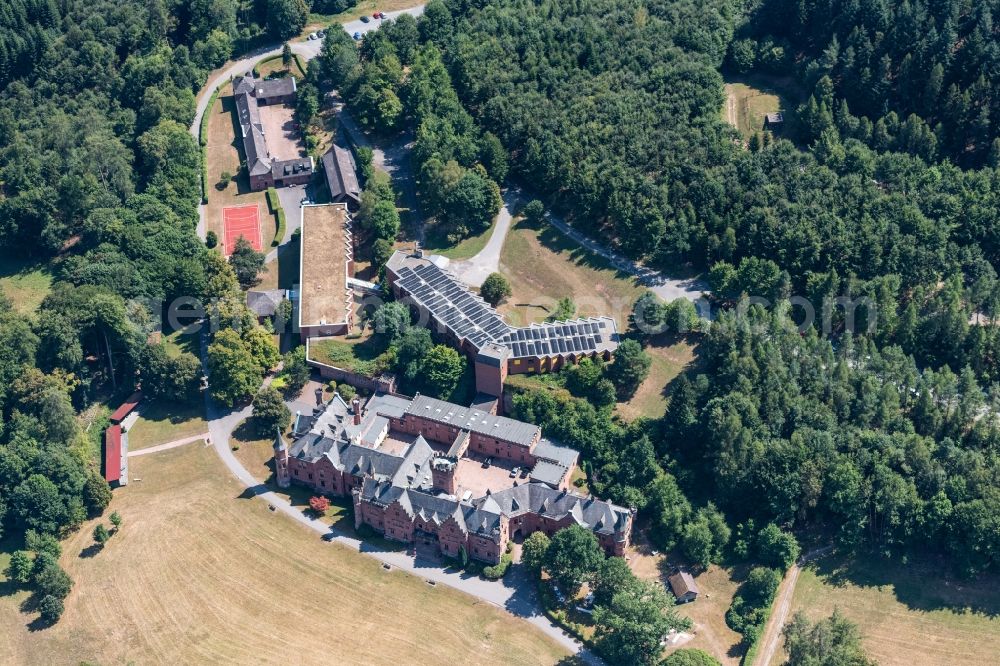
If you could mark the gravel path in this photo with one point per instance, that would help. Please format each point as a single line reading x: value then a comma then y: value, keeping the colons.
x: 515, y: 593
x: 168, y: 445
x: 308, y: 49
x: 474, y: 271
x: 782, y: 607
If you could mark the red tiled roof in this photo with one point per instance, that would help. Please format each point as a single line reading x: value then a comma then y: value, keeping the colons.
x: 126, y: 407
x: 113, y: 453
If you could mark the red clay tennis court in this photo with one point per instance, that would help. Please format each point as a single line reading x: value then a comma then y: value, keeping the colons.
x: 241, y: 221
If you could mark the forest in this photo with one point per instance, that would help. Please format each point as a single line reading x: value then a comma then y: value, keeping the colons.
x: 100, y: 182
x: 884, y: 436
x: 609, y: 111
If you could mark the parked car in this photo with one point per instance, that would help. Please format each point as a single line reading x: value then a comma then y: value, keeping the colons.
x: 312, y: 35
x: 357, y: 36
x: 376, y: 15
x: 560, y: 597
x: 487, y: 462
x: 381, y: 15
x: 513, y: 472
x: 305, y: 201
x: 365, y: 19
x: 321, y: 33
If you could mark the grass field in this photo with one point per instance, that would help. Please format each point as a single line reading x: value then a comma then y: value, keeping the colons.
x: 671, y: 356
x: 24, y: 281
x: 748, y: 99
x: 201, y: 574
x: 162, y: 422
x: 363, y: 8
x: 466, y: 248
x: 908, y: 616
x: 717, y: 587
x: 543, y: 266
x: 223, y: 154
x: 353, y: 354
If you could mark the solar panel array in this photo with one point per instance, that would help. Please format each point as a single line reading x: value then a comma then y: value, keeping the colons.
x: 467, y: 316
x: 559, y: 338
x: 470, y: 318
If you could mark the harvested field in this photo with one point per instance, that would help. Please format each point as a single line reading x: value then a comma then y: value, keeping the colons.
x: 199, y: 573
x: 908, y: 615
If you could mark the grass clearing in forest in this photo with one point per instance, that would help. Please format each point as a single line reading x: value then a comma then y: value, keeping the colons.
x: 909, y: 615
x: 670, y: 357
x: 748, y: 99
x: 26, y: 282
x: 717, y: 587
x: 543, y: 265
x: 203, y: 573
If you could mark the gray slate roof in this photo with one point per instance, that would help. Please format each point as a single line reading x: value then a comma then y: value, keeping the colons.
x: 341, y: 176
x: 264, y: 303
x: 474, y: 420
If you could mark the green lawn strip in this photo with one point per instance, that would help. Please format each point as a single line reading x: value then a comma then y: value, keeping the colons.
x: 436, y: 243
x: 351, y: 355
x: 24, y: 281
x: 203, y: 141
x: 274, y: 203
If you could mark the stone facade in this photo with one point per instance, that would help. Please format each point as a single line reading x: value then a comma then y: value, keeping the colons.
x: 407, y: 489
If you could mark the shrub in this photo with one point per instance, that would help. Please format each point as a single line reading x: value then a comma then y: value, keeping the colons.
x: 319, y: 505
x: 101, y: 534
x: 211, y: 239
x: 51, y: 608
x: 497, y: 571
x: 19, y: 567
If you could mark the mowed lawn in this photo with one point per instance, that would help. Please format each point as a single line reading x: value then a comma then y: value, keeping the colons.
x: 161, y: 422
x: 907, y: 616
x: 670, y: 357
x: 24, y: 281
x: 437, y: 243
x: 224, y: 152
x: 717, y: 586
x: 199, y: 574
x: 543, y: 266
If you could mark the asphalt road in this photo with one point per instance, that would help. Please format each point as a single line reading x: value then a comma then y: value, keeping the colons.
x: 515, y: 593
x: 307, y: 48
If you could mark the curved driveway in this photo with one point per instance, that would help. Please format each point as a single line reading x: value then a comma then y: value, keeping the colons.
x: 515, y: 593
x: 308, y: 49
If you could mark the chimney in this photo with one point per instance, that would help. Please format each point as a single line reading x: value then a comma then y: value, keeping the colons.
x: 319, y: 396
x: 356, y: 408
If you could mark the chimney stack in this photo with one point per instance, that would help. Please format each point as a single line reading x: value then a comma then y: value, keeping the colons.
x: 356, y: 408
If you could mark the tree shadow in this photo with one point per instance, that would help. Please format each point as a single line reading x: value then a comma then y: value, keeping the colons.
x: 246, y: 431
x: 91, y: 550
x: 911, y: 584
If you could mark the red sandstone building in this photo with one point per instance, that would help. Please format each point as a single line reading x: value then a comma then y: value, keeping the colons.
x: 425, y: 470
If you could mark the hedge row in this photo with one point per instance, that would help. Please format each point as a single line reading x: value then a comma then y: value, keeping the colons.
x: 203, y: 141
x: 274, y: 203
